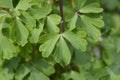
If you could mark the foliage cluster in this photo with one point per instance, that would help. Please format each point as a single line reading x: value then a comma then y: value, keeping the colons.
x: 38, y: 43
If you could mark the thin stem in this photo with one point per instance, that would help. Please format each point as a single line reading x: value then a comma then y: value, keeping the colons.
x: 62, y: 16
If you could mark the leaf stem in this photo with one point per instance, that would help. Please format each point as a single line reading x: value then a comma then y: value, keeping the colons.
x: 62, y: 16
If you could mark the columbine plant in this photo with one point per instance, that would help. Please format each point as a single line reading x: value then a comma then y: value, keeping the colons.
x: 36, y: 35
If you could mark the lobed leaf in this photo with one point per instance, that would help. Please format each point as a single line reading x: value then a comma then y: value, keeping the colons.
x: 62, y: 53
x: 35, y: 34
x: 28, y: 20
x: 91, y: 8
x: 52, y: 21
x: 79, y: 3
x: 21, y: 32
x: 21, y: 72
x: 48, y: 47
x: 41, y: 10
x: 6, y: 74
x: 77, y: 42
x: 23, y: 5
x: 90, y: 24
x: 7, y: 49
x: 46, y: 68
x: 72, y: 23
x: 37, y: 75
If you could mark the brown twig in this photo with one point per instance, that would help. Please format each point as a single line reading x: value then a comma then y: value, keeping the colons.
x: 62, y: 16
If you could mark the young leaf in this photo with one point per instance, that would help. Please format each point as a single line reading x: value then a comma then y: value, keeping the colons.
x: 21, y: 32
x: 95, y: 20
x: 6, y: 74
x: 7, y: 48
x: 75, y: 76
x: 91, y: 8
x: 21, y: 72
x: 55, y: 18
x: 52, y: 22
x: 72, y: 23
x: 79, y: 3
x: 81, y: 34
x: 13, y: 63
x: 46, y: 68
x: 45, y: 37
x: 23, y: 5
x: 62, y: 53
x: 41, y: 11
x: 47, y: 47
x: 34, y: 38
x: 37, y: 75
x: 77, y: 42
x: 89, y: 25
x: 28, y: 20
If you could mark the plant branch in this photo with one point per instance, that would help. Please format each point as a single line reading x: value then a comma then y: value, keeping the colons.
x: 62, y: 16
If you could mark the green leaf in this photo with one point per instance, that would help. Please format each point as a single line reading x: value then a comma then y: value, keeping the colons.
x: 79, y: 3
x: 44, y: 66
x: 34, y: 38
x: 75, y: 76
x: 7, y: 48
x: 23, y: 5
x: 55, y: 18
x: 52, y: 22
x: 21, y: 32
x: 96, y: 20
x: 21, y: 72
x: 12, y: 63
x: 45, y: 37
x: 28, y: 20
x: 91, y: 8
x: 6, y: 3
x: 6, y: 74
x: 47, y: 47
x: 77, y: 42
x: 98, y: 73
x: 97, y: 64
x: 2, y: 13
x: 113, y: 72
x: 37, y: 75
x: 89, y: 25
x: 15, y: 12
x: 108, y: 57
x: 72, y: 23
x: 25, y: 52
x: 41, y: 11
x: 68, y: 11
x: 81, y: 33
x: 62, y: 53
